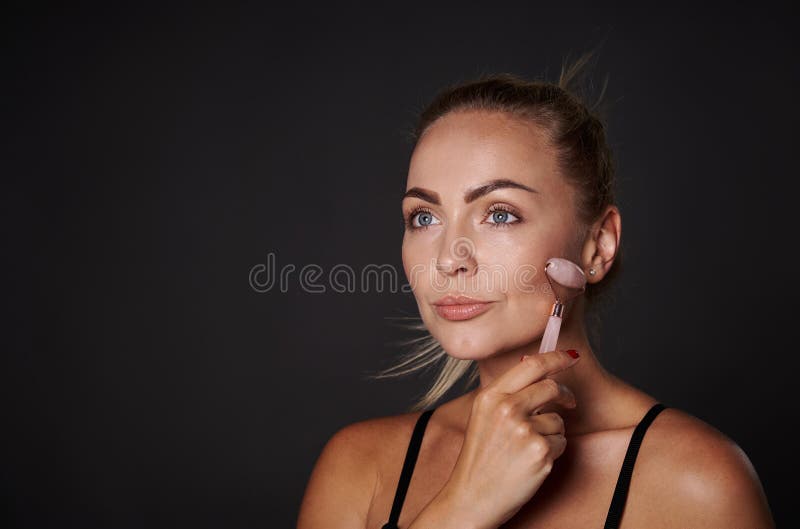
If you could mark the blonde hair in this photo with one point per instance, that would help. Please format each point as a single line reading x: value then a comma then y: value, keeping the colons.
x: 584, y: 157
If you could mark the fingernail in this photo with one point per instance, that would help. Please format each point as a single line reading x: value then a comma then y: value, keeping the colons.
x: 573, y: 353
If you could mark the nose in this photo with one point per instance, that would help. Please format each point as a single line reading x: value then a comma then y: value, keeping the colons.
x: 456, y: 255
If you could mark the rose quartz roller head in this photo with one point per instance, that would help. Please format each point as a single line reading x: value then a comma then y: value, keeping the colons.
x: 567, y: 280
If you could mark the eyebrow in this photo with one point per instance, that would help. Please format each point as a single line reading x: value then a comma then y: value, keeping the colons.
x: 472, y: 194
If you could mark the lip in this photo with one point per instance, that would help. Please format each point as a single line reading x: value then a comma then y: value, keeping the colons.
x: 459, y: 308
x: 458, y: 300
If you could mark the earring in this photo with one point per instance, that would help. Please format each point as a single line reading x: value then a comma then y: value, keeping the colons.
x: 592, y: 271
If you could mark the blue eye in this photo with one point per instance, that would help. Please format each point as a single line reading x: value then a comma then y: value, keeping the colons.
x: 420, y: 218
x: 501, y: 216
x: 424, y: 218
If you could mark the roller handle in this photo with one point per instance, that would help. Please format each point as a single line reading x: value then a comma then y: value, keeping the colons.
x: 550, y: 337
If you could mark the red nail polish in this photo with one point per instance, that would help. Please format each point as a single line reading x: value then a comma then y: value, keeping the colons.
x: 573, y: 353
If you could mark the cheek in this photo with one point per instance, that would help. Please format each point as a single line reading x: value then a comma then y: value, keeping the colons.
x: 415, y: 262
x: 528, y: 288
x: 522, y: 264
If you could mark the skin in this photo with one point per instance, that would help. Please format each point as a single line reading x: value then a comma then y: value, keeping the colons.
x: 687, y: 473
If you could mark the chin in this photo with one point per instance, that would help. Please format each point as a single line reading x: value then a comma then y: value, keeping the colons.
x: 468, y: 341
x: 466, y: 345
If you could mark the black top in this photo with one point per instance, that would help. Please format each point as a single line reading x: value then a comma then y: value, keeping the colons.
x: 620, y: 492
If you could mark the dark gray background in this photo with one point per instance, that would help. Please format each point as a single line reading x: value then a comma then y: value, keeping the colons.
x: 152, y: 156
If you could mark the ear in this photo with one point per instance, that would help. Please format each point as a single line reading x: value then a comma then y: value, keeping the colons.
x: 602, y: 244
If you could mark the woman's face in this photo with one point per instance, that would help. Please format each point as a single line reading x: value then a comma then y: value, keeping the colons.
x: 488, y: 243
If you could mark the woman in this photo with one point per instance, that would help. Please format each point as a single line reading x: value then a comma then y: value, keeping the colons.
x: 505, y: 174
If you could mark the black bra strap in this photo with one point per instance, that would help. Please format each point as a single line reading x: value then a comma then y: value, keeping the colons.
x: 624, y: 480
x: 408, y: 468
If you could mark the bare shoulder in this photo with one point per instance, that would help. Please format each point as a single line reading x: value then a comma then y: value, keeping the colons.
x: 699, y: 477
x: 346, y: 474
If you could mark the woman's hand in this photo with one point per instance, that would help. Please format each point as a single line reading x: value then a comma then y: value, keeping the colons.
x: 509, y: 449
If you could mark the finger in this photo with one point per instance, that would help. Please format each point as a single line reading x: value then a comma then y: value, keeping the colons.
x: 548, y: 423
x: 558, y: 443
x: 532, y: 368
x: 545, y: 393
